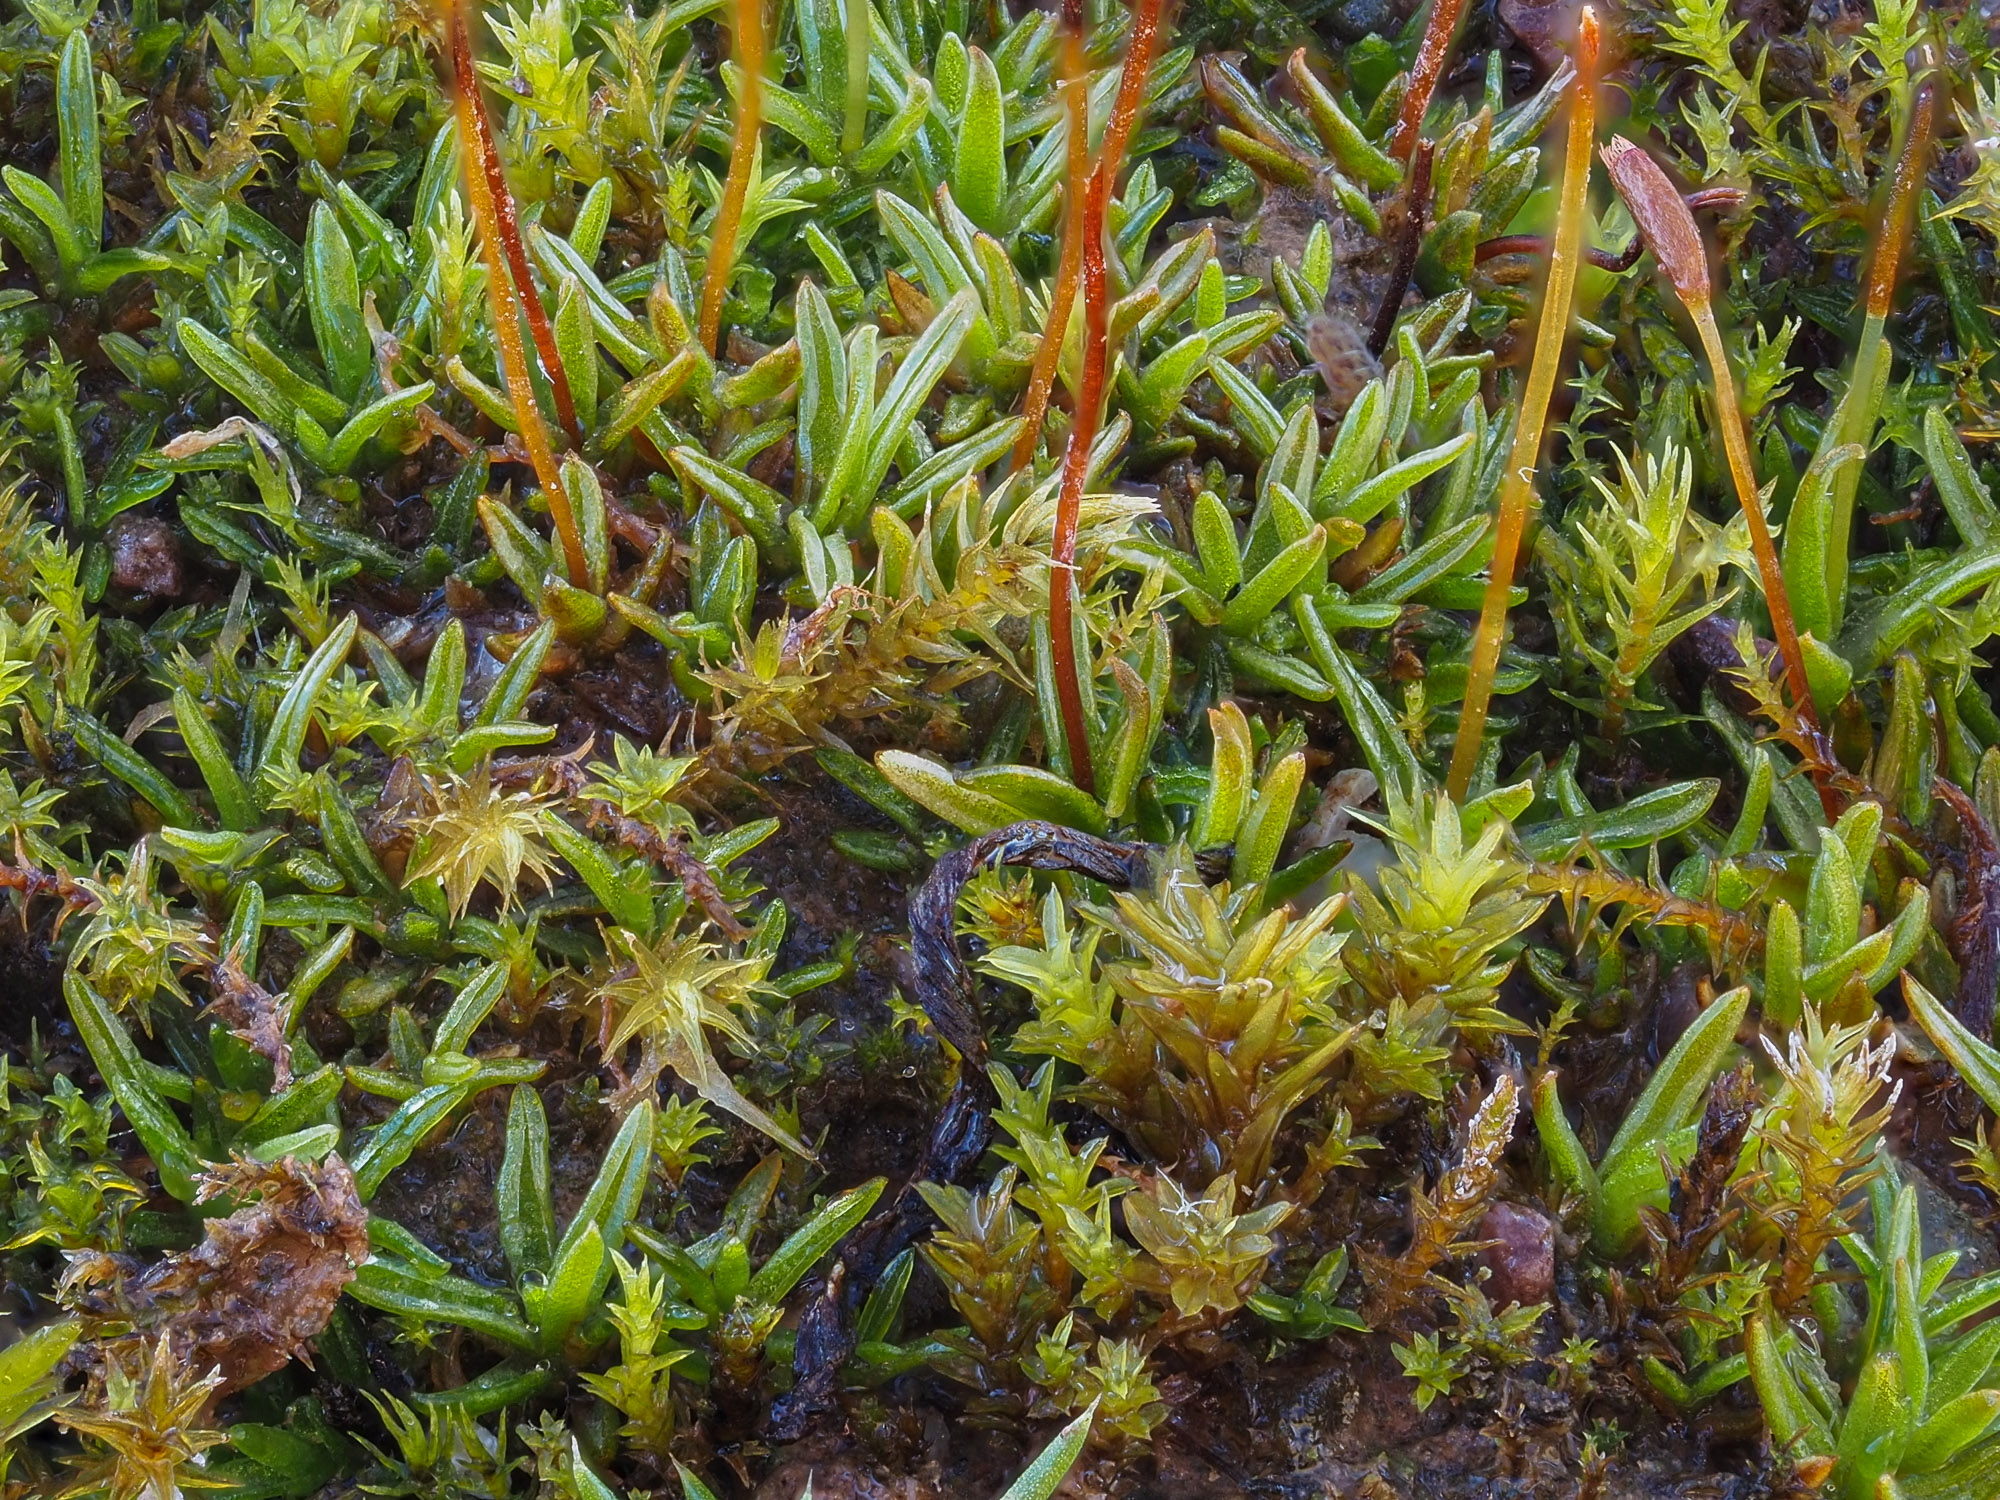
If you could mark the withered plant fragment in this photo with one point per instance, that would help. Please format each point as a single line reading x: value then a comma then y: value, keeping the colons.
x: 259, y: 1287
x: 254, y: 1014
x: 947, y: 989
x: 26, y: 882
x: 673, y: 854
x: 1442, y: 1218
x: 1698, y: 1209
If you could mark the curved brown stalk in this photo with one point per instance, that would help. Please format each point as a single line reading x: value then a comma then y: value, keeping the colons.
x: 742, y: 156
x: 964, y: 1127
x: 1517, y: 489
x: 477, y: 137
x: 1604, y: 260
x: 1534, y: 244
x: 1670, y: 233
x: 1076, y: 102
x: 1424, y: 74
x: 508, y: 297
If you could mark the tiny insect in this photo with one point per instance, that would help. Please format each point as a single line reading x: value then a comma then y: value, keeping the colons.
x: 1343, y: 357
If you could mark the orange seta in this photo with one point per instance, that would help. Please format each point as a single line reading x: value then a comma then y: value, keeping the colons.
x: 1424, y: 74
x: 742, y: 156
x: 505, y: 221
x: 1042, y: 378
x: 1669, y: 231
x: 508, y: 296
x: 1088, y: 224
x: 1517, y: 489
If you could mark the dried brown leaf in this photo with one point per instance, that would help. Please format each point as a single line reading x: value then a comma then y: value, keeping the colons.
x: 261, y: 1284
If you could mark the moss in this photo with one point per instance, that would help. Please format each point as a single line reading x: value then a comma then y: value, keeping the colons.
x: 548, y: 583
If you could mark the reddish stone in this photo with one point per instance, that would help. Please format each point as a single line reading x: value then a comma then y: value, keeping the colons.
x: 1522, y: 1257
x: 145, y: 558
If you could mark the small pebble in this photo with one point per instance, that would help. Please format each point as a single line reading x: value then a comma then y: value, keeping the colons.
x: 145, y: 558
x: 1522, y: 1259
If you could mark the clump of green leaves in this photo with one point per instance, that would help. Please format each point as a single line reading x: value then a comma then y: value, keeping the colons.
x: 1192, y: 981
x: 1920, y: 1404
x: 1820, y: 1137
x: 1632, y: 567
x: 143, y: 1423
x: 1426, y: 949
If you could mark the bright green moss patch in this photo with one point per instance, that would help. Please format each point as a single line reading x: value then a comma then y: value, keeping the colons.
x: 724, y: 738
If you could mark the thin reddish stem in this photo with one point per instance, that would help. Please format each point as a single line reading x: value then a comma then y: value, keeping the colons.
x: 1042, y: 378
x: 1409, y: 244
x: 1424, y: 74
x: 480, y: 142
x: 1090, y: 398
x: 1517, y: 490
x: 1535, y: 244
x: 506, y: 308
x: 1856, y: 414
x: 1117, y: 136
x: 1604, y: 260
x: 1076, y: 466
x: 1131, y: 87
x: 1672, y: 235
x: 1736, y: 446
x: 1903, y: 190
x: 742, y: 156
